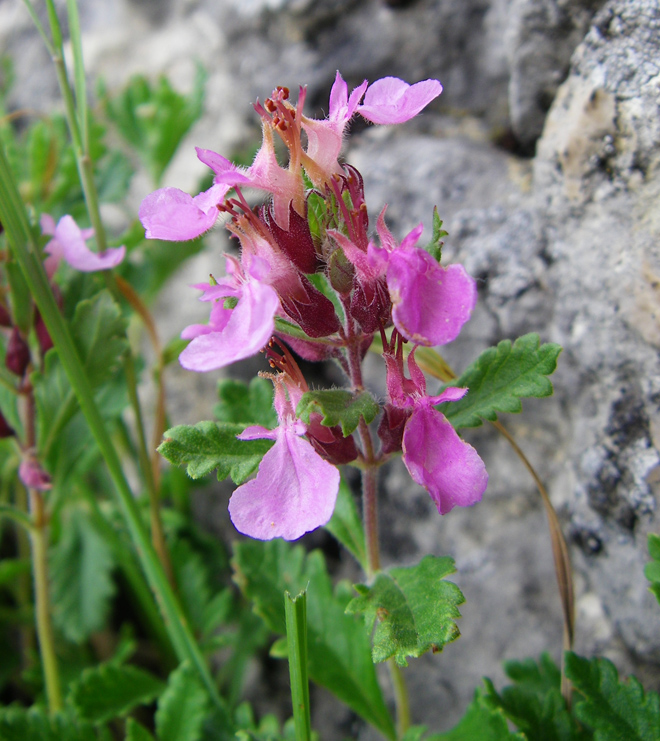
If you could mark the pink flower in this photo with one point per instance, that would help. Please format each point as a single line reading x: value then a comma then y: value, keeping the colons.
x: 387, y: 101
x: 436, y: 458
x: 232, y: 334
x: 295, y: 490
x: 430, y: 303
x: 68, y: 243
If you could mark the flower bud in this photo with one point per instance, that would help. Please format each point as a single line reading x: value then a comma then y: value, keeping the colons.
x: 296, y: 243
x: 18, y: 354
x: 391, y: 428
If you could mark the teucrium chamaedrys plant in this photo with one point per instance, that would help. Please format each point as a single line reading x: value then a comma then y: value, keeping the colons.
x: 314, y: 280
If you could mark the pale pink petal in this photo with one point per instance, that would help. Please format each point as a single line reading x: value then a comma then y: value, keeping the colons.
x: 294, y: 492
x: 437, y: 459
x: 69, y: 244
x: 175, y: 216
x: 247, y: 331
x: 430, y: 303
x: 393, y: 101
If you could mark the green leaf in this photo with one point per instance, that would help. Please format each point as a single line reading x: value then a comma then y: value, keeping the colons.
x: 415, y: 609
x: 136, y: 732
x: 183, y: 707
x: 154, y: 119
x: 613, y: 709
x: 535, y: 704
x: 113, y: 177
x: 209, y: 445
x: 434, y: 247
x: 346, y: 524
x: 99, y: 332
x: 34, y: 724
x: 500, y: 377
x: 481, y: 722
x: 338, y: 646
x: 652, y: 569
x: 338, y: 407
x: 246, y: 405
x: 108, y: 691
x: 81, y: 566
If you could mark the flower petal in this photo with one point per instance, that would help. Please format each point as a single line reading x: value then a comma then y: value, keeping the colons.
x: 437, y: 459
x: 69, y: 244
x: 248, y: 329
x: 175, y: 216
x: 430, y: 303
x: 294, y: 492
x: 393, y: 101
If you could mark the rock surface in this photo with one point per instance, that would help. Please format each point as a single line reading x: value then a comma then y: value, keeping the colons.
x: 566, y: 243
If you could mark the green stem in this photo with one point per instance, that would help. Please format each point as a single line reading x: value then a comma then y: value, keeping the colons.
x: 77, y: 121
x: 39, y: 541
x: 26, y: 252
x: 295, y: 610
x: 400, y: 698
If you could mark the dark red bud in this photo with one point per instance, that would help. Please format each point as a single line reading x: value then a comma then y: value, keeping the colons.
x: 314, y: 313
x: 296, y: 243
x: 18, y: 354
x: 370, y: 305
x: 391, y: 427
x: 330, y: 443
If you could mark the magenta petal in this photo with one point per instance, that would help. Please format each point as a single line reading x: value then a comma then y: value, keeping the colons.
x: 437, y: 459
x: 294, y: 492
x: 248, y: 329
x: 176, y: 216
x: 69, y: 244
x: 430, y: 303
x: 392, y: 101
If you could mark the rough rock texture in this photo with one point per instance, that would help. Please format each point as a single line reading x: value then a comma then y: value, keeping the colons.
x: 566, y: 244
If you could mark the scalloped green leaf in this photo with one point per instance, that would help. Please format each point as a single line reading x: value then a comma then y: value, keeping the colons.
x: 481, y: 722
x: 182, y: 707
x: 109, y: 691
x: 612, y: 708
x: 35, y: 724
x: 338, y: 645
x: 413, y: 608
x: 534, y: 704
x: 213, y: 445
x: 81, y: 566
x: 500, y: 377
x: 338, y: 407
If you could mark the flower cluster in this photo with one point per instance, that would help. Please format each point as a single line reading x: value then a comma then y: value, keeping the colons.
x: 312, y: 279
